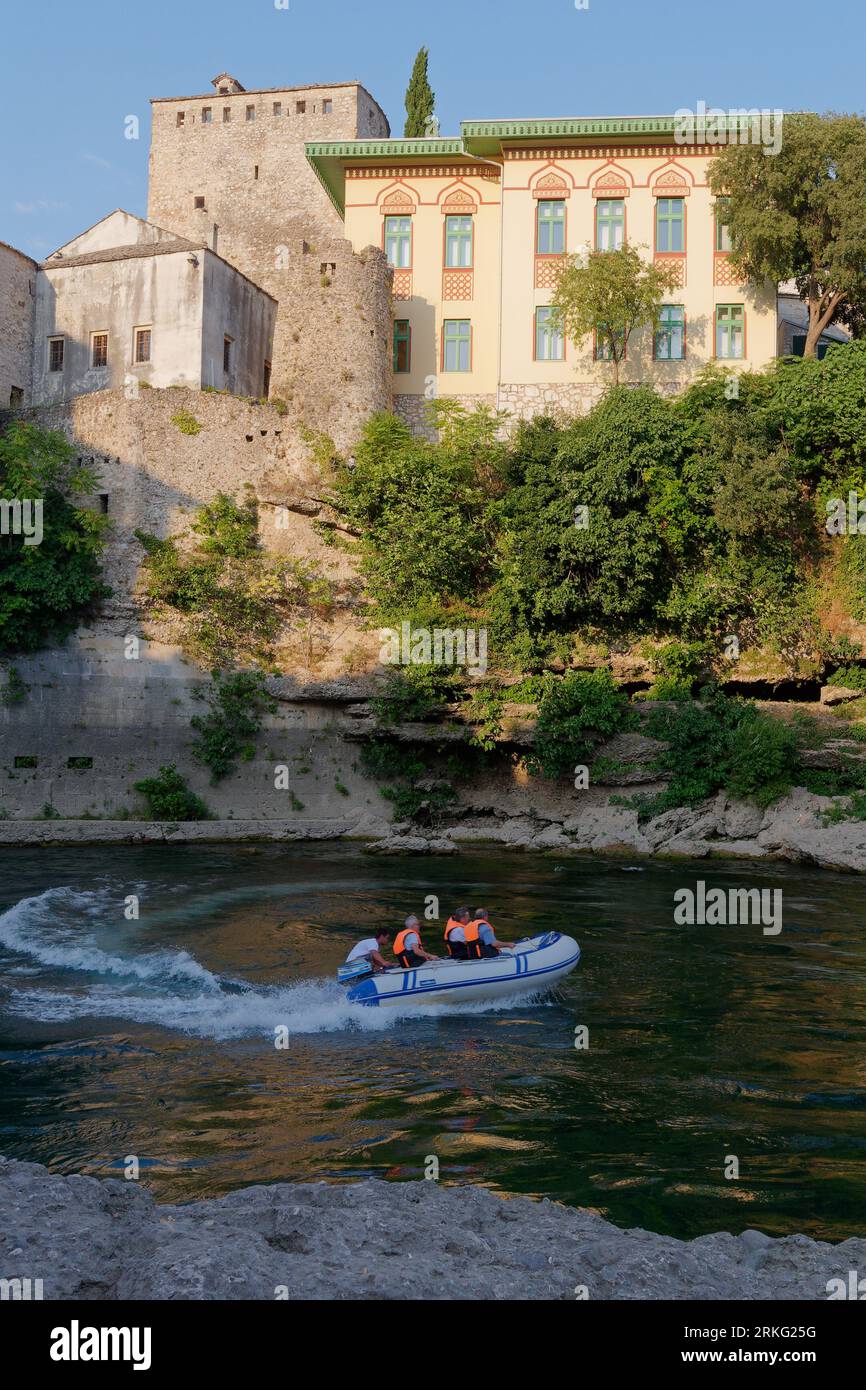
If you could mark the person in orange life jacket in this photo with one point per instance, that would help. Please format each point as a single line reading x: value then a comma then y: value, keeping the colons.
x: 407, y: 946
x: 371, y: 949
x: 481, y: 939
x: 455, y: 934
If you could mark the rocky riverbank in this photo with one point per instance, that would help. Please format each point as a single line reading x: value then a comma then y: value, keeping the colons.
x: 793, y: 829
x: 94, y: 1239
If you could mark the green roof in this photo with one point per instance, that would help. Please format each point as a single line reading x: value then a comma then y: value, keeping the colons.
x: 486, y: 139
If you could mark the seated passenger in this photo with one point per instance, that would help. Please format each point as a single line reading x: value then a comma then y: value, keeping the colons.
x: 455, y: 934
x: 481, y: 939
x: 371, y: 949
x: 408, y: 948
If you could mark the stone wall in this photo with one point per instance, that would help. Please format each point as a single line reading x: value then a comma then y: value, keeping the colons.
x: 17, y: 274
x: 266, y: 213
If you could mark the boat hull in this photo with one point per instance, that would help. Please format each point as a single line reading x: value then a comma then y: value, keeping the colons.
x: 532, y: 967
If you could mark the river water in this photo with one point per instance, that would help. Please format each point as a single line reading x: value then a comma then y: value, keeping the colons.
x: 707, y: 1045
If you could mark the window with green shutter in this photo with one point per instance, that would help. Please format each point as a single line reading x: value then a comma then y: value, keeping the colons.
x: 402, y: 345
x: 670, y: 337
x: 550, y: 238
x: 549, y: 339
x: 730, y: 330
x: 457, y: 345
x: 398, y: 241
x: 458, y: 243
x: 723, y: 234
x: 609, y: 224
x: 603, y: 351
x: 670, y: 224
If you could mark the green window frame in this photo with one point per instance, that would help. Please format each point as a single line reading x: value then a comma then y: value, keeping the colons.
x: 457, y: 345
x: 601, y: 348
x: 609, y: 224
x: 670, y: 334
x: 549, y: 337
x: 550, y: 227
x: 670, y: 224
x: 730, y: 331
x: 402, y: 346
x: 398, y: 242
x: 459, y: 242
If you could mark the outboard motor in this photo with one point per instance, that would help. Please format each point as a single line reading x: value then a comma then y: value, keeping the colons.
x: 353, y: 971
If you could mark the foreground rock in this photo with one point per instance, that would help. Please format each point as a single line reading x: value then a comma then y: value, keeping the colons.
x: 92, y: 1239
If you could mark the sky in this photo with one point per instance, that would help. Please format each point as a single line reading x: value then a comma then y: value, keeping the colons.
x: 76, y: 70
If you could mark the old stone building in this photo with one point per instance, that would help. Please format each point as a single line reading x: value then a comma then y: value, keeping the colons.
x: 229, y: 169
x: 17, y: 276
x: 127, y: 303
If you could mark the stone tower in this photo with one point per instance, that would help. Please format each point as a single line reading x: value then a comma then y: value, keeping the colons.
x: 229, y: 167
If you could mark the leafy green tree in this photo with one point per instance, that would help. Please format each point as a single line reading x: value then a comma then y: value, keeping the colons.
x: 238, y: 704
x: 420, y: 99
x: 46, y: 589
x: 170, y: 799
x: 611, y: 294
x: 801, y: 215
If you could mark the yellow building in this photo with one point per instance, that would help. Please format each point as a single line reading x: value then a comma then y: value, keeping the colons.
x: 475, y: 228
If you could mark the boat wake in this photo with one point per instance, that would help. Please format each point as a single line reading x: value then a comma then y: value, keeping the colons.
x: 52, y: 937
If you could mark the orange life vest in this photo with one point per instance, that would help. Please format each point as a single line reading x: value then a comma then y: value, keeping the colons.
x: 400, y: 946
x: 450, y: 926
x: 472, y: 935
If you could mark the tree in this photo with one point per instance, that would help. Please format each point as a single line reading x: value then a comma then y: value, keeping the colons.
x: 420, y: 99
x: 50, y: 576
x: 610, y: 293
x: 801, y: 215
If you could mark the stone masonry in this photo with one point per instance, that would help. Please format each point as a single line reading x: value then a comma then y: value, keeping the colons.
x: 229, y: 168
x: 17, y: 275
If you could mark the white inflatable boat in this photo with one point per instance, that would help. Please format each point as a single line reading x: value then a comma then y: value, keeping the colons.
x: 530, y: 967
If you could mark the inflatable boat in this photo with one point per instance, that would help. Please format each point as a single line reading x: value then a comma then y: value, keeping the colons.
x: 530, y: 967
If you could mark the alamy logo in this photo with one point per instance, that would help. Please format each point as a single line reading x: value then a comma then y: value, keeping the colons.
x: 737, y: 907
x: 22, y: 518
x: 20, y: 1290
x: 443, y: 646
x: 855, y: 1288
x: 77, y: 1343
x: 738, y: 125
x: 846, y: 519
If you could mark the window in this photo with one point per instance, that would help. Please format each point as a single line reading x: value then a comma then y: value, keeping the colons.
x: 730, y: 330
x: 255, y: 171
x: 141, y: 348
x: 79, y: 764
x: 609, y: 224
x: 457, y: 345
x: 103, y: 503
x: 327, y: 107
x: 670, y: 224
x: 300, y: 107
x: 549, y: 339
x: 402, y: 345
x: 16, y: 397
x: 723, y: 234
x: 55, y: 354
x: 227, y: 354
x: 227, y: 114
x: 99, y: 349
x: 267, y: 380
x: 398, y: 241
x: 251, y: 113
x: 603, y: 352
x: 458, y: 242
x: 670, y: 335
x: 206, y: 115
x: 278, y: 108
x: 181, y: 117
x: 550, y: 235
x: 198, y: 201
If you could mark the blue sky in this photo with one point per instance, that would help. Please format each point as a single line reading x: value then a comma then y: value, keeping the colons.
x: 75, y: 69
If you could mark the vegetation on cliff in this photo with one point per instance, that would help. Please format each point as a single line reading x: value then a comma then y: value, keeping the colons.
x: 50, y: 546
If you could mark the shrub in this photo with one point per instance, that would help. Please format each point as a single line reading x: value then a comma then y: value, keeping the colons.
x: 228, y: 732
x: 169, y: 798
x: 186, y: 422
x: 580, y: 708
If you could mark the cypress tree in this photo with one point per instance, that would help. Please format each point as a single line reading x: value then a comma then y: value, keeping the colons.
x: 420, y: 99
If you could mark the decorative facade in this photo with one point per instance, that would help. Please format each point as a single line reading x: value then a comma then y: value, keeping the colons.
x: 477, y: 228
